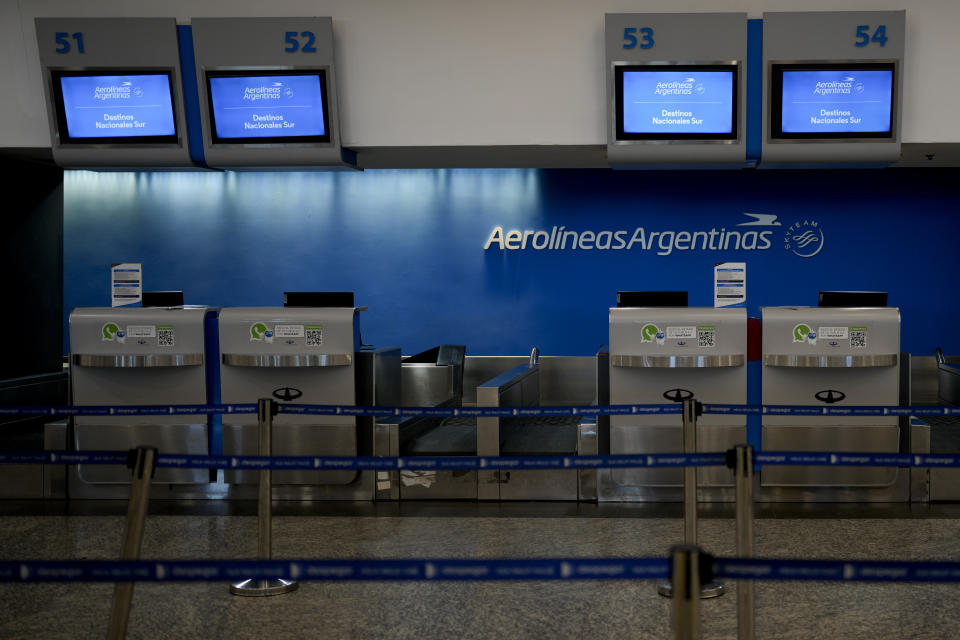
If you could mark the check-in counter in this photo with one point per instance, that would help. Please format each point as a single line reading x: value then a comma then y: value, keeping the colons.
x: 663, y: 354
x: 141, y: 356
x: 832, y: 357
x: 305, y: 355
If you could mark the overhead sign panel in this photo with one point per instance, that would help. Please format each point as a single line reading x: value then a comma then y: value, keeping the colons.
x: 113, y: 102
x: 289, y: 107
x: 682, y: 102
x: 835, y: 98
x: 120, y: 108
x: 268, y: 90
x: 675, y: 89
x: 833, y: 101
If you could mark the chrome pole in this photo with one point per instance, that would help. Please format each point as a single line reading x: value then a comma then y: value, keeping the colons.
x: 685, y: 576
x: 690, y: 410
x: 690, y: 473
x: 266, y: 409
x: 745, y: 588
x: 143, y: 463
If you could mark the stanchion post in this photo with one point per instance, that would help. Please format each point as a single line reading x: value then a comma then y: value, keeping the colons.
x: 685, y: 577
x: 691, y: 409
x: 690, y: 406
x: 143, y: 461
x: 266, y: 410
x: 745, y: 588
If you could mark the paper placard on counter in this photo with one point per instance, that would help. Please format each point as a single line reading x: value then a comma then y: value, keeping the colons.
x: 126, y: 283
x: 729, y: 284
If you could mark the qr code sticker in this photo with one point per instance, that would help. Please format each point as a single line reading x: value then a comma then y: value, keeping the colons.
x: 314, y: 337
x: 165, y: 337
x: 858, y: 339
x: 706, y: 338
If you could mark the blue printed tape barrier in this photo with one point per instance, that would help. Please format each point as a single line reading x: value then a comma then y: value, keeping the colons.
x: 145, y: 410
x: 427, y: 463
x: 857, y: 571
x: 373, y: 464
x: 789, y: 458
x: 482, y: 412
x: 333, y: 570
x: 477, y: 412
x: 802, y: 410
x: 466, y: 570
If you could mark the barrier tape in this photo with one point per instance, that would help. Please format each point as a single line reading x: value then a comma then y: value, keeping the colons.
x: 332, y: 570
x: 466, y: 570
x: 843, y: 570
x: 481, y: 412
x: 432, y: 463
x: 461, y: 463
x: 141, y: 410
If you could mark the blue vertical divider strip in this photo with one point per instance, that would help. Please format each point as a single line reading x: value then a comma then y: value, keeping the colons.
x: 754, y: 395
x: 754, y: 90
x: 211, y: 358
x: 191, y: 98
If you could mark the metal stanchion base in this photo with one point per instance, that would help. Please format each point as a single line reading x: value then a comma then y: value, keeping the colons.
x: 272, y: 587
x: 711, y: 590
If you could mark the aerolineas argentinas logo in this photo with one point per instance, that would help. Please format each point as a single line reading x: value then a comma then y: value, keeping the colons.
x: 755, y: 234
x: 122, y: 91
x: 263, y: 92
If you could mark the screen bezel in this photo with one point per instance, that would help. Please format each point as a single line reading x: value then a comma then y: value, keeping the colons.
x: 261, y: 73
x: 63, y: 131
x: 622, y: 135
x: 776, y: 100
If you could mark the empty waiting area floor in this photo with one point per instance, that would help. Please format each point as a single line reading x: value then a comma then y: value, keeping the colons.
x: 609, y: 609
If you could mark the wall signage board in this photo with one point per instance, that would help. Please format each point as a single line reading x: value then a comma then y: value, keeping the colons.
x: 268, y: 95
x: 112, y: 101
x: 835, y: 97
x: 676, y: 90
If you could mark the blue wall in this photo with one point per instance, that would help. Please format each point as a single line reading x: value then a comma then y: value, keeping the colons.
x: 410, y: 243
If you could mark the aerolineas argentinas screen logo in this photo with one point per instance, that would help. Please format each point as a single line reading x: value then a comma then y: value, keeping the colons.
x: 263, y: 92
x: 755, y: 234
x: 122, y: 91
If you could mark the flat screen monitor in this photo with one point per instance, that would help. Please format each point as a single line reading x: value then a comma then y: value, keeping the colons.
x: 651, y: 298
x: 832, y: 101
x: 852, y: 299
x: 114, y: 107
x: 318, y: 298
x: 162, y: 299
x: 676, y: 102
x: 268, y: 107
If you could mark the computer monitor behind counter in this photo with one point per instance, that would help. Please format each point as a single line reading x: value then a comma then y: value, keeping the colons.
x: 852, y: 299
x: 652, y: 299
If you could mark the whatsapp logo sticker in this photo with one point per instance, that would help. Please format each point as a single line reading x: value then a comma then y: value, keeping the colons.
x: 110, y: 331
x: 648, y: 332
x: 800, y: 333
x: 257, y: 331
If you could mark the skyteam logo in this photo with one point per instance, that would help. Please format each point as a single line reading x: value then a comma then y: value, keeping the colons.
x: 804, y: 238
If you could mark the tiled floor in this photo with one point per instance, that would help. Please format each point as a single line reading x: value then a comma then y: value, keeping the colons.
x: 479, y: 610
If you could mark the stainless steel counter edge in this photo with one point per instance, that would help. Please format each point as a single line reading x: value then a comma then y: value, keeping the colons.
x: 123, y: 361
x: 287, y: 360
x: 678, y: 362
x: 822, y: 361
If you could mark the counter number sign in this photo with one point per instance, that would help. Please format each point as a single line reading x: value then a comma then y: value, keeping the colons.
x: 62, y: 39
x: 302, y: 41
x: 634, y: 37
x: 864, y: 38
